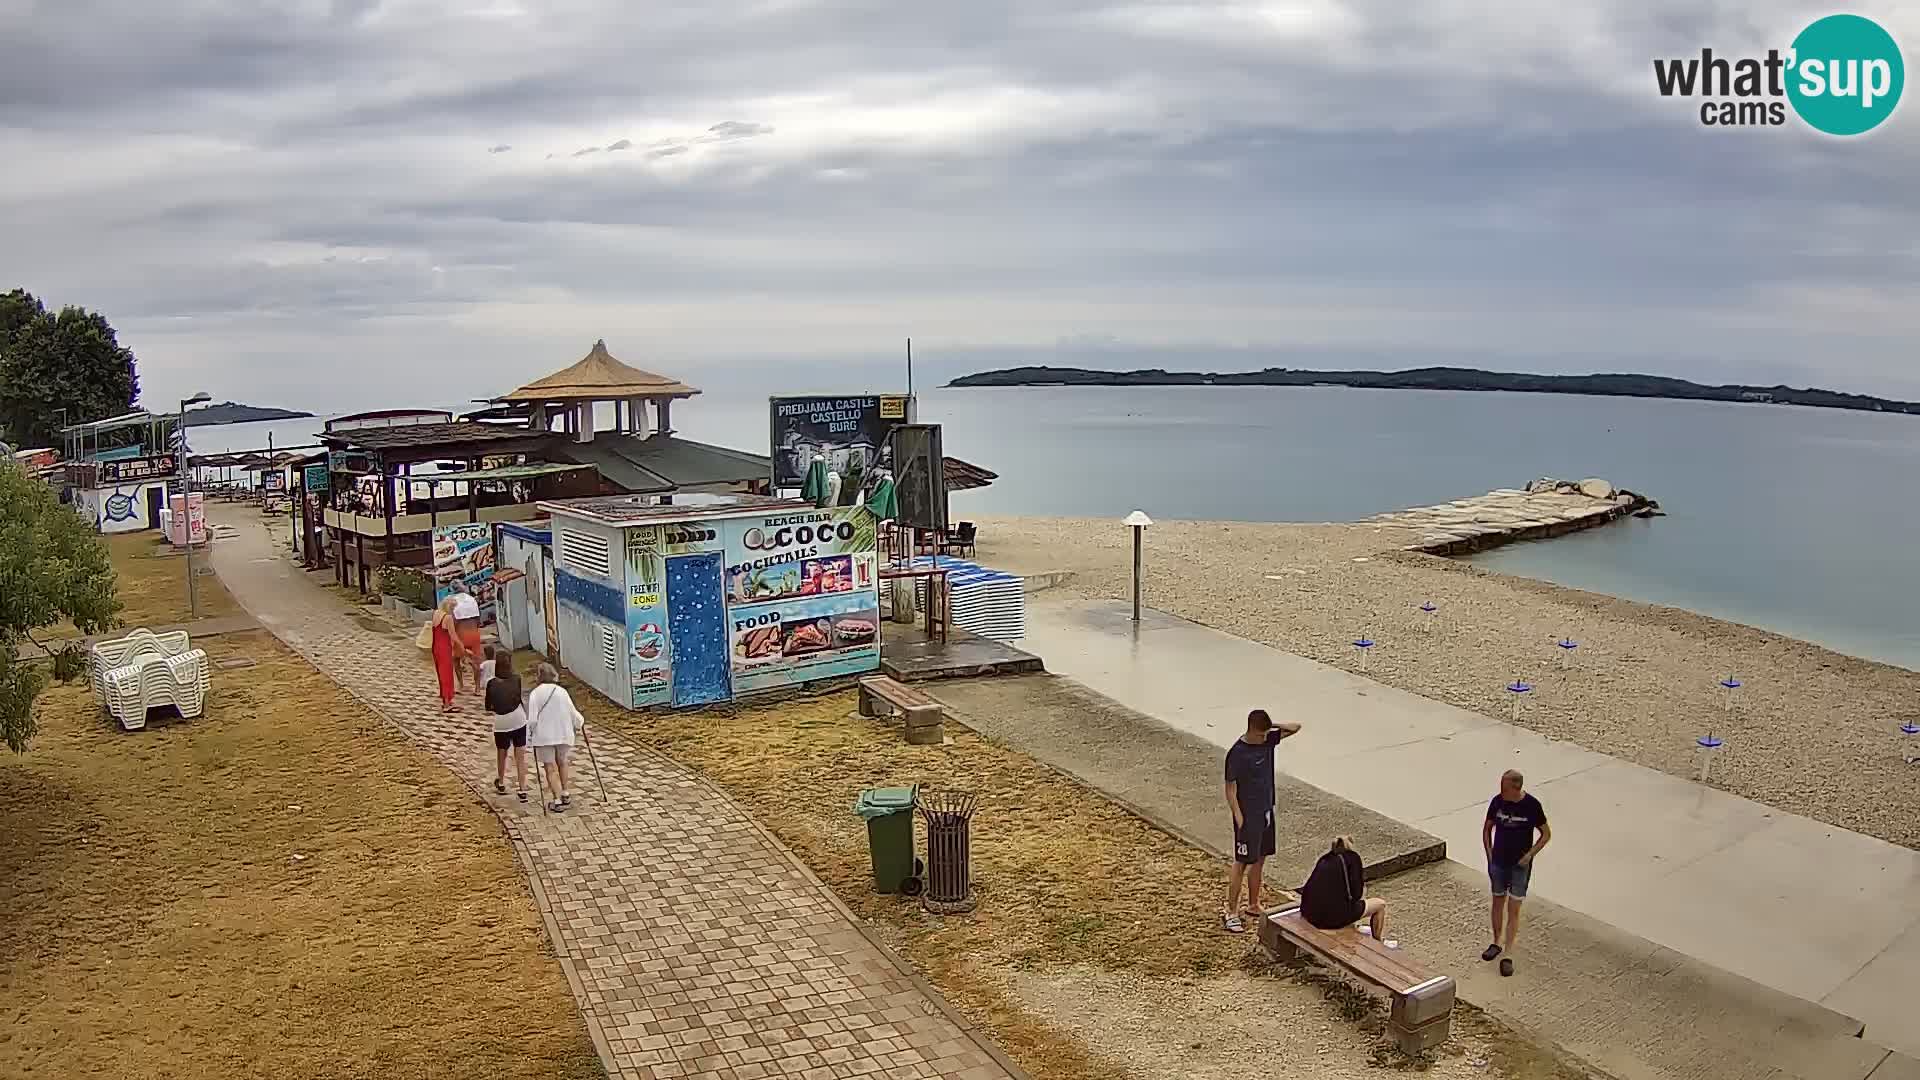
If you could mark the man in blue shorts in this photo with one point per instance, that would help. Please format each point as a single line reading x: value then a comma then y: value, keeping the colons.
x: 1250, y: 801
x: 1513, y: 817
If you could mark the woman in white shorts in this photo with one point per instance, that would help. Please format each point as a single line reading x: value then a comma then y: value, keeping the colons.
x: 552, y: 722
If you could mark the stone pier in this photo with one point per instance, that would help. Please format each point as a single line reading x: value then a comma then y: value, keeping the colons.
x: 1543, y: 509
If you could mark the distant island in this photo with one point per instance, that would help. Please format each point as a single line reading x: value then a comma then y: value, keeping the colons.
x: 1445, y: 378
x: 232, y: 412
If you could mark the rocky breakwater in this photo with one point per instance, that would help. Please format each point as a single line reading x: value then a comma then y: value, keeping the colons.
x: 1544, y: 508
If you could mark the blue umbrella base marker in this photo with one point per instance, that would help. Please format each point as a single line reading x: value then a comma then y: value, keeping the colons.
x: 1519, y: 690
x: 1709, y: 746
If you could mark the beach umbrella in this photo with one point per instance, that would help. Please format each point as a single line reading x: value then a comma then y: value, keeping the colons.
x: 814, y: 489
x: 884, y: 504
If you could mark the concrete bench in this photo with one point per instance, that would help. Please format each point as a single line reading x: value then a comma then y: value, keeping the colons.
x: 925, y: 717
x: 1421, y: 1015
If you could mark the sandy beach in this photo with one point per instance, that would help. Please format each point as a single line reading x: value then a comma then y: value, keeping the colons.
x: 1815, y: 732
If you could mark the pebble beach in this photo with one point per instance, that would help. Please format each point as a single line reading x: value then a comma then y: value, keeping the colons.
x: 1814, y: 732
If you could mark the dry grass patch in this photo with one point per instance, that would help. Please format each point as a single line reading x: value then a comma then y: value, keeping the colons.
x: 159, y: 925
x: 1087, y: 914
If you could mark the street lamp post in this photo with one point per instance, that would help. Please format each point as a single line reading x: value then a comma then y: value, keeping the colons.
x: 186, y: 481
x: 1138, y: 521
x: 63, y: 435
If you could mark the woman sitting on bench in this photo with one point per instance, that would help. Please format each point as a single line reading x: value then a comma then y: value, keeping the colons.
x: 1334, y: 896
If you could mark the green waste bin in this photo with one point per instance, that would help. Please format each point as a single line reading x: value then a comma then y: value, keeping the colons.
x: 889, y: 814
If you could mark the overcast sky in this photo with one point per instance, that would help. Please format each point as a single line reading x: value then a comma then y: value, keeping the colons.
x: 360, y: 203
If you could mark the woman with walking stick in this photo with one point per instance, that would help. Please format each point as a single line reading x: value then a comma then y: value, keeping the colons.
x: 552, y: 722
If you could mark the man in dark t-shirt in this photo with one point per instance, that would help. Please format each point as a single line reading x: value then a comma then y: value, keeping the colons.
x: 1513, y: 819
x: 1249, y: 775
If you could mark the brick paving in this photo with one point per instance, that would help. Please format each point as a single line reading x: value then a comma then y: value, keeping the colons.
x: 694, y: 944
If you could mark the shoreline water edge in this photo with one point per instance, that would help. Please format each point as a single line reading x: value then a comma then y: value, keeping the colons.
x: 1813, y: 731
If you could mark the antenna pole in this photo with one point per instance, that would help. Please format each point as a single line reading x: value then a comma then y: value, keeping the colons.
x: 909, y: 367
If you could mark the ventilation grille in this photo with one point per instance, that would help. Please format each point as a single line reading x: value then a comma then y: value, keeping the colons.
x: 610, y: 647
x: 586, y: 553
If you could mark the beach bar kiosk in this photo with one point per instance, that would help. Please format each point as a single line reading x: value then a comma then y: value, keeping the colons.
x: 712, y: 597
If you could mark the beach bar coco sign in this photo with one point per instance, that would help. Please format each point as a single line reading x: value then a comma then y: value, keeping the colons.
x: 851, y: 432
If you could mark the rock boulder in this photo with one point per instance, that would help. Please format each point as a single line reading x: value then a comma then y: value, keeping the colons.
x: 1595, y: 488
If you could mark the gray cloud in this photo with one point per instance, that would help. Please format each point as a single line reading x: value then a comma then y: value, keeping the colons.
x: 290, y: 189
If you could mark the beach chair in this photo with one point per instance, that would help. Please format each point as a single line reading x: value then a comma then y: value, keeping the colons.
x: 959, y: 541
x: 151, y: 680
x: 107, y: 655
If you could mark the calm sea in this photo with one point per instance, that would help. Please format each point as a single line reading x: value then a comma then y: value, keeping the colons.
x: 1797, y: 520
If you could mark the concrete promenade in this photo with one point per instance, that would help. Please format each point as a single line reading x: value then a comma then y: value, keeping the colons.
x: 1818, y: 912
x: 694, y: 943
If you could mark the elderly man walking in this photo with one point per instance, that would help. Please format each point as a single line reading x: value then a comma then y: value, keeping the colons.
x: 1513, y: 819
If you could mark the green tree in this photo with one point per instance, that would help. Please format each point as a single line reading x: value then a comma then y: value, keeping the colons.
x: 17, y: 309
x: 53, y: 566
x: 50, y: 362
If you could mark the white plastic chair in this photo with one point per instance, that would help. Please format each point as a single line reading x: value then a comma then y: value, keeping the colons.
x: 151, y: 680
x: 107, y: 655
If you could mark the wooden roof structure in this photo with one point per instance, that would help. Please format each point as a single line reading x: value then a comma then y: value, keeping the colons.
x: 599, y: 377
x: 432, y: 442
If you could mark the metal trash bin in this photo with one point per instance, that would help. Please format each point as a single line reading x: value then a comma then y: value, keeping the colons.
x: 949, y: 852
x: 889, y: 816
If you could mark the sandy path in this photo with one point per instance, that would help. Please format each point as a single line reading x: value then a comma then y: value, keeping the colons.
x: 1816, y: 732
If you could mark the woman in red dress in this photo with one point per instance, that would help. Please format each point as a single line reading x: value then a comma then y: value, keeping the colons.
x: 445, y: 648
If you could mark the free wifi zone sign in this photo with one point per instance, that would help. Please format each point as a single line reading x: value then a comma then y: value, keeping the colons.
x: 1842, y: 75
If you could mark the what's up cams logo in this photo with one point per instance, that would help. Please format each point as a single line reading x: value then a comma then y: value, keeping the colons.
x: 1842, y: 75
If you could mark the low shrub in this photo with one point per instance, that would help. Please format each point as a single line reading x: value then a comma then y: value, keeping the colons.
x: 411, y: 586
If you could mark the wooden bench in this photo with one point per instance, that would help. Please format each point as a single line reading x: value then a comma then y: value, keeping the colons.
x: 925, y: 717
x: 1422, y: 1011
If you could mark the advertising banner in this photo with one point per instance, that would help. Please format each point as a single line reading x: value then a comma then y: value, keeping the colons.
x: 648, y: 663
x: 135, y: 469
x: 802, y: 597
x: 463, y: 557
x: 274, y: 481
x: 850, y: 432
x: 316, y: 477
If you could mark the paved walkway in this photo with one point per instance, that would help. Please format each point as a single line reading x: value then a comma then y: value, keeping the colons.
x: 1810, y: 909
x: 694, y: 943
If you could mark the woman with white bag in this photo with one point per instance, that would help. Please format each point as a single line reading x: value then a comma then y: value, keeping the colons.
x: 552, y: 722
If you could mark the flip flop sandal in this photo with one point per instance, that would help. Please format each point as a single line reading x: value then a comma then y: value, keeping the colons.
x: 499, y: 787
x: 523, y: 794
x: 1234, y: 925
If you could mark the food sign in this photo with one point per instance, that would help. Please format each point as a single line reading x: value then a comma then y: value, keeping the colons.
x: 463, y: 558
x: 802, y: 597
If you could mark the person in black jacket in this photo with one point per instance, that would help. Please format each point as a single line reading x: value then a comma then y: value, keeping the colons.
x: 509, y: 723
x: 1334, y: 896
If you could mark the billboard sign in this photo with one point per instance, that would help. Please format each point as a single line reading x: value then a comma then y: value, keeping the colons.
x: 135, y: 469
x: 849, y: 431
x: 803, y: 596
